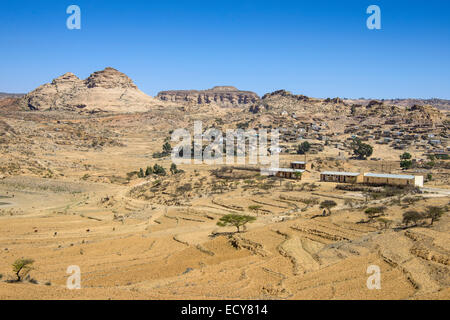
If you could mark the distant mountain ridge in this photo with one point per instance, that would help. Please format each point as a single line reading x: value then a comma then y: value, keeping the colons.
x: 4, y: 95
x: 224, y: 96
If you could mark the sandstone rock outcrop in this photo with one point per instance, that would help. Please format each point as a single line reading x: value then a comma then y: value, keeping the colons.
x: 107, y: 90
x: 224, y: 96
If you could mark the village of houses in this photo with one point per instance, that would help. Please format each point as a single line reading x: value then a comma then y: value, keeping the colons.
x: 424, y: 139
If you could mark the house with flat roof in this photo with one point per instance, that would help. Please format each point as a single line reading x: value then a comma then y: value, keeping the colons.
x: 393, y: 179
x: 341, y: 177
x: 287, y: 173
x: 302, y: 165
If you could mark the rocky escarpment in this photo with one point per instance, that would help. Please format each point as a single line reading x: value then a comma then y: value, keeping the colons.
x: 224, y: 96
x: 107, y: 90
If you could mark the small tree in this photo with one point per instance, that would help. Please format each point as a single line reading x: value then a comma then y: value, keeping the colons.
x: 303, y: 148
x: 406, y: 156
x: 174, y: 169
x: 159, y: 170
x: 254, y: 208
x: 361, y: 150
x: 434, y: 213
x: 384, y: 222
x: 412, y: 216
x: 148, y: 171
x: 328, y: 204
x: 411, y: 200
x: 235, y: 220
x: 21, y: 267
x: 141, y: 173
x: 405, y: 164
x: 167, y: 148
x: 375, y: 212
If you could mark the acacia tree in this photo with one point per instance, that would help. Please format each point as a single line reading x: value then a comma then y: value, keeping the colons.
x: 375, y: 212
x: 434, y: 213
x: 412, y: 216
x: 235, y: 220
x: 328, y: 204
x: 255, y: 208
x: 385, y: 222
x: 21, y: 267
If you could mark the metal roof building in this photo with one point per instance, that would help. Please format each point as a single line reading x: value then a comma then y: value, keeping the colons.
x: 340, y: 173
x: 387, y: 175
x: 341, y: 176
x: 288, y: 173
x: 393, y: 179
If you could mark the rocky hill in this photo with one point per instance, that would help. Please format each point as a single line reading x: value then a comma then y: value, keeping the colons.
x: 224, y: 96
x: 107, y: 90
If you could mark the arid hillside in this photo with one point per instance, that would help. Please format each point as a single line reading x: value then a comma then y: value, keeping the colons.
x: 87, y: 180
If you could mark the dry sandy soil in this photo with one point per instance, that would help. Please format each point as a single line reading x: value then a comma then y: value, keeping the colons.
x: 65, y: 200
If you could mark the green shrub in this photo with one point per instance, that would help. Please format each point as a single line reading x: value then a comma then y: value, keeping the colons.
x: 159, y: 170
x: 21, y: 267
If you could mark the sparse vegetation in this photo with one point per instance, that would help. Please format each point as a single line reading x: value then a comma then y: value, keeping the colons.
x: 254, y: 208
x: 166, y: 151
x: 375, y: 212
x: 328, y: 204
x: 174, y: 169
x: 384, y: 222
x: 21, y: 267
x: 159, y: 170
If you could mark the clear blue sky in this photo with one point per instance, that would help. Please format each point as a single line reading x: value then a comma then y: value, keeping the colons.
x: 317, y: 48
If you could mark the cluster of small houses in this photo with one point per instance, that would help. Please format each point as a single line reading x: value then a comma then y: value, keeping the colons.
x: 425, y: 136
x: 298, y: 169
x: 402, y: 138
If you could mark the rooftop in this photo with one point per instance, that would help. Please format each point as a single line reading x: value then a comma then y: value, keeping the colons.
x: 341, y: 173
x: 392, y: 176
x: 285, y: 170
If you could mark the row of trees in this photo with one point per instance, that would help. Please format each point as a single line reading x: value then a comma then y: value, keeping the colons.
x: 414, y: 217
x: 158, y: 170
